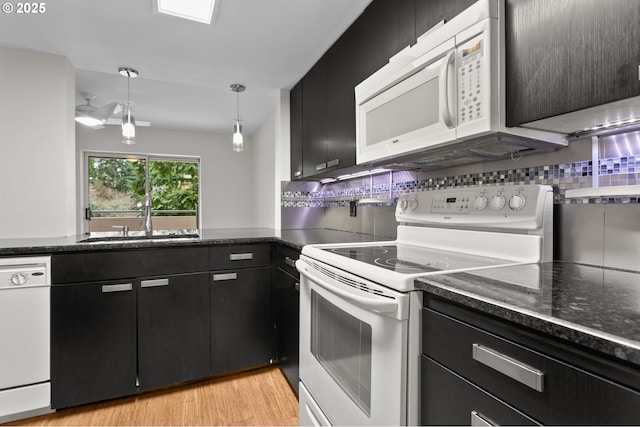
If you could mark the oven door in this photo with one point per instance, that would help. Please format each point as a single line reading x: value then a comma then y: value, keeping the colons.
x: 353, y: 347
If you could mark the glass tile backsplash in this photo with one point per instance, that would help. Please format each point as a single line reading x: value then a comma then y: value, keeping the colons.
x: 562, y: 177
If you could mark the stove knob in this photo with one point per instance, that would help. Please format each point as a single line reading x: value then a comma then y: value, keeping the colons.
x: 497, y: 202
x: 517, y: 202
x: 18, y: 279
x: 413, y: 204
x: 403, y: 205
x: 480, y: 203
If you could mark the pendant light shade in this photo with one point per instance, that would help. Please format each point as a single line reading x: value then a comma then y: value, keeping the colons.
x: 128, y: 125
x: 238, y: 140
x: 128, y: 119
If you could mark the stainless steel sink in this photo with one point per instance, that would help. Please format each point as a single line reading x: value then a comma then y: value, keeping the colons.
x: 141, y: 238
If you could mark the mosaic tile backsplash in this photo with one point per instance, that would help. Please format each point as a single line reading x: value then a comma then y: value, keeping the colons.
x: 562, y: 177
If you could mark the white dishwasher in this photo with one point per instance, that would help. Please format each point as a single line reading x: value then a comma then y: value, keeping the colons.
x: 25, y: 286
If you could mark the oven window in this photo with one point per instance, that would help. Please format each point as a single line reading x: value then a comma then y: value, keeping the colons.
x: 342, y: 345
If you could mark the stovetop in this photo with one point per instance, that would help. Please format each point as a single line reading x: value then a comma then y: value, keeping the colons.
x: 408, y: 259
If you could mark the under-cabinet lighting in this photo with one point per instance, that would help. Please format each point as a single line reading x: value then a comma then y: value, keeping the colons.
x: 327, y: 180
x: 192, y: 10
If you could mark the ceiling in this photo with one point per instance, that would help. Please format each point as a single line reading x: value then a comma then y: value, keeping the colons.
x: 186, y: 68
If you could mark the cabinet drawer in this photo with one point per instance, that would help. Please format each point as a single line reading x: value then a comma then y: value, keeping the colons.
x: 240, y: 256
x: 118, y: 264
x: 544, y: 388
x: 448, y: 399
x: 287, y: 258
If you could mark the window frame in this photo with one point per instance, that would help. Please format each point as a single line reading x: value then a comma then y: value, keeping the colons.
x: 85, y: 198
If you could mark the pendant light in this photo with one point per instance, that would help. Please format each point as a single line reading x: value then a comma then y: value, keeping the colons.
x: 238, y: 140
x: 128, y: 120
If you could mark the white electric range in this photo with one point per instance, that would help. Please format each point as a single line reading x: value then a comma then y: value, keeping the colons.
x: 360, y: 315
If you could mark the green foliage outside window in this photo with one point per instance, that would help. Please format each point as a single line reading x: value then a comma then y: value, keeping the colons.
x: 119, y: 184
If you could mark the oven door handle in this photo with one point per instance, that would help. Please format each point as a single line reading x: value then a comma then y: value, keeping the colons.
x: 377, y: 304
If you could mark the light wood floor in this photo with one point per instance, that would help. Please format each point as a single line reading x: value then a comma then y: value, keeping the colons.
x: 259, y: 398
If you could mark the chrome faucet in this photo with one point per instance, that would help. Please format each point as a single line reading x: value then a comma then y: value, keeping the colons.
x: 147, y: 227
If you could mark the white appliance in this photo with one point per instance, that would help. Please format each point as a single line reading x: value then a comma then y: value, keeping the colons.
x: 442, y: 100
x: 360, y: 315
x: 25, y: 389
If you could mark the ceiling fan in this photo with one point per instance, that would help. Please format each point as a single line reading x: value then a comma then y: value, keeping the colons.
x: 96, y: 117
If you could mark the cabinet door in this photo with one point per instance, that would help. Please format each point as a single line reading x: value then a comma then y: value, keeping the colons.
x: 563, y: 56
x: 173, y: 329
x: 388, y: 28
x: 429, y: 12
x: 314, y: 120
x: 343, y: 73
x: 287, y: 305
x: 295, y: 105
x: 93, y: 342
x: 242, y: 332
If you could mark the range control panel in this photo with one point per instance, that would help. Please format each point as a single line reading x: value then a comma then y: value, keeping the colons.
x: 505, y: 205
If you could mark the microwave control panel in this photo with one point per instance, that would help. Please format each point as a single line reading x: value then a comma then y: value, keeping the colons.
x: 470, y: 70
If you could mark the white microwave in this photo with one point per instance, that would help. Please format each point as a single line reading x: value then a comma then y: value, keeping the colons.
x: 446, y: 89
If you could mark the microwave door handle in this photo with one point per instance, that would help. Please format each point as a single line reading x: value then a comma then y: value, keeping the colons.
x: 445, y: 111
x: 379, y: 305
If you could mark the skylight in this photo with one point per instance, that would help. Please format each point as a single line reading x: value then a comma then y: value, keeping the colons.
x: 193, y: 10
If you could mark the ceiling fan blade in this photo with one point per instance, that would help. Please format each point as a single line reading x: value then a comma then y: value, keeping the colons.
x: 118, y: 121
x: 106, y: 111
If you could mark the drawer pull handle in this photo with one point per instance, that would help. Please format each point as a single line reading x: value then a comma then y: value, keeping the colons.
x: 512, y: 368
x: 154, y: 283
x: 241, y: 257
x: 321, y: 166
x: 296, y: 286
x: 225, y: 276
x: 332, y: 163
x: 117, y: 288
x: 290, y: 262
x: 477, y: 420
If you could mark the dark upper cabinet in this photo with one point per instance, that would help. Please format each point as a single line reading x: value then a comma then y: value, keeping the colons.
x: 295, y: 100
x: 429, y: 12
x: 323, y: 122
x: 314, y: 120
x: 343, y: 70
x: 387, y: 28
x: 563, y: 56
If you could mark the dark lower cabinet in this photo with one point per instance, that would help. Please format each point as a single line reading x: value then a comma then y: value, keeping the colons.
x: 505, y: 373
x: 242, y: 332
x: 173, y: 329
x: 448, y: 399
x: 287, y: 303
x: 93, y: 342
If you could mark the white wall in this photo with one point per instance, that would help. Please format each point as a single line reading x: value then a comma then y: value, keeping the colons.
x: 37, y: 145
x: 226, y: 178
x: 264, y: 174
x: 271, y: 163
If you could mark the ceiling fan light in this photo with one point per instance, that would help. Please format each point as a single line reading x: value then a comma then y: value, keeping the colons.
x: 88, y: 121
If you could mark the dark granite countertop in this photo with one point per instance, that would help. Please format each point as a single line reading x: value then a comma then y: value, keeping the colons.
x: 294, y: 238
x: 594, y: 307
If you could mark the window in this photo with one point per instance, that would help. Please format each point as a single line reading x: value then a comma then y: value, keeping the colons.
x: 117, y: 186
